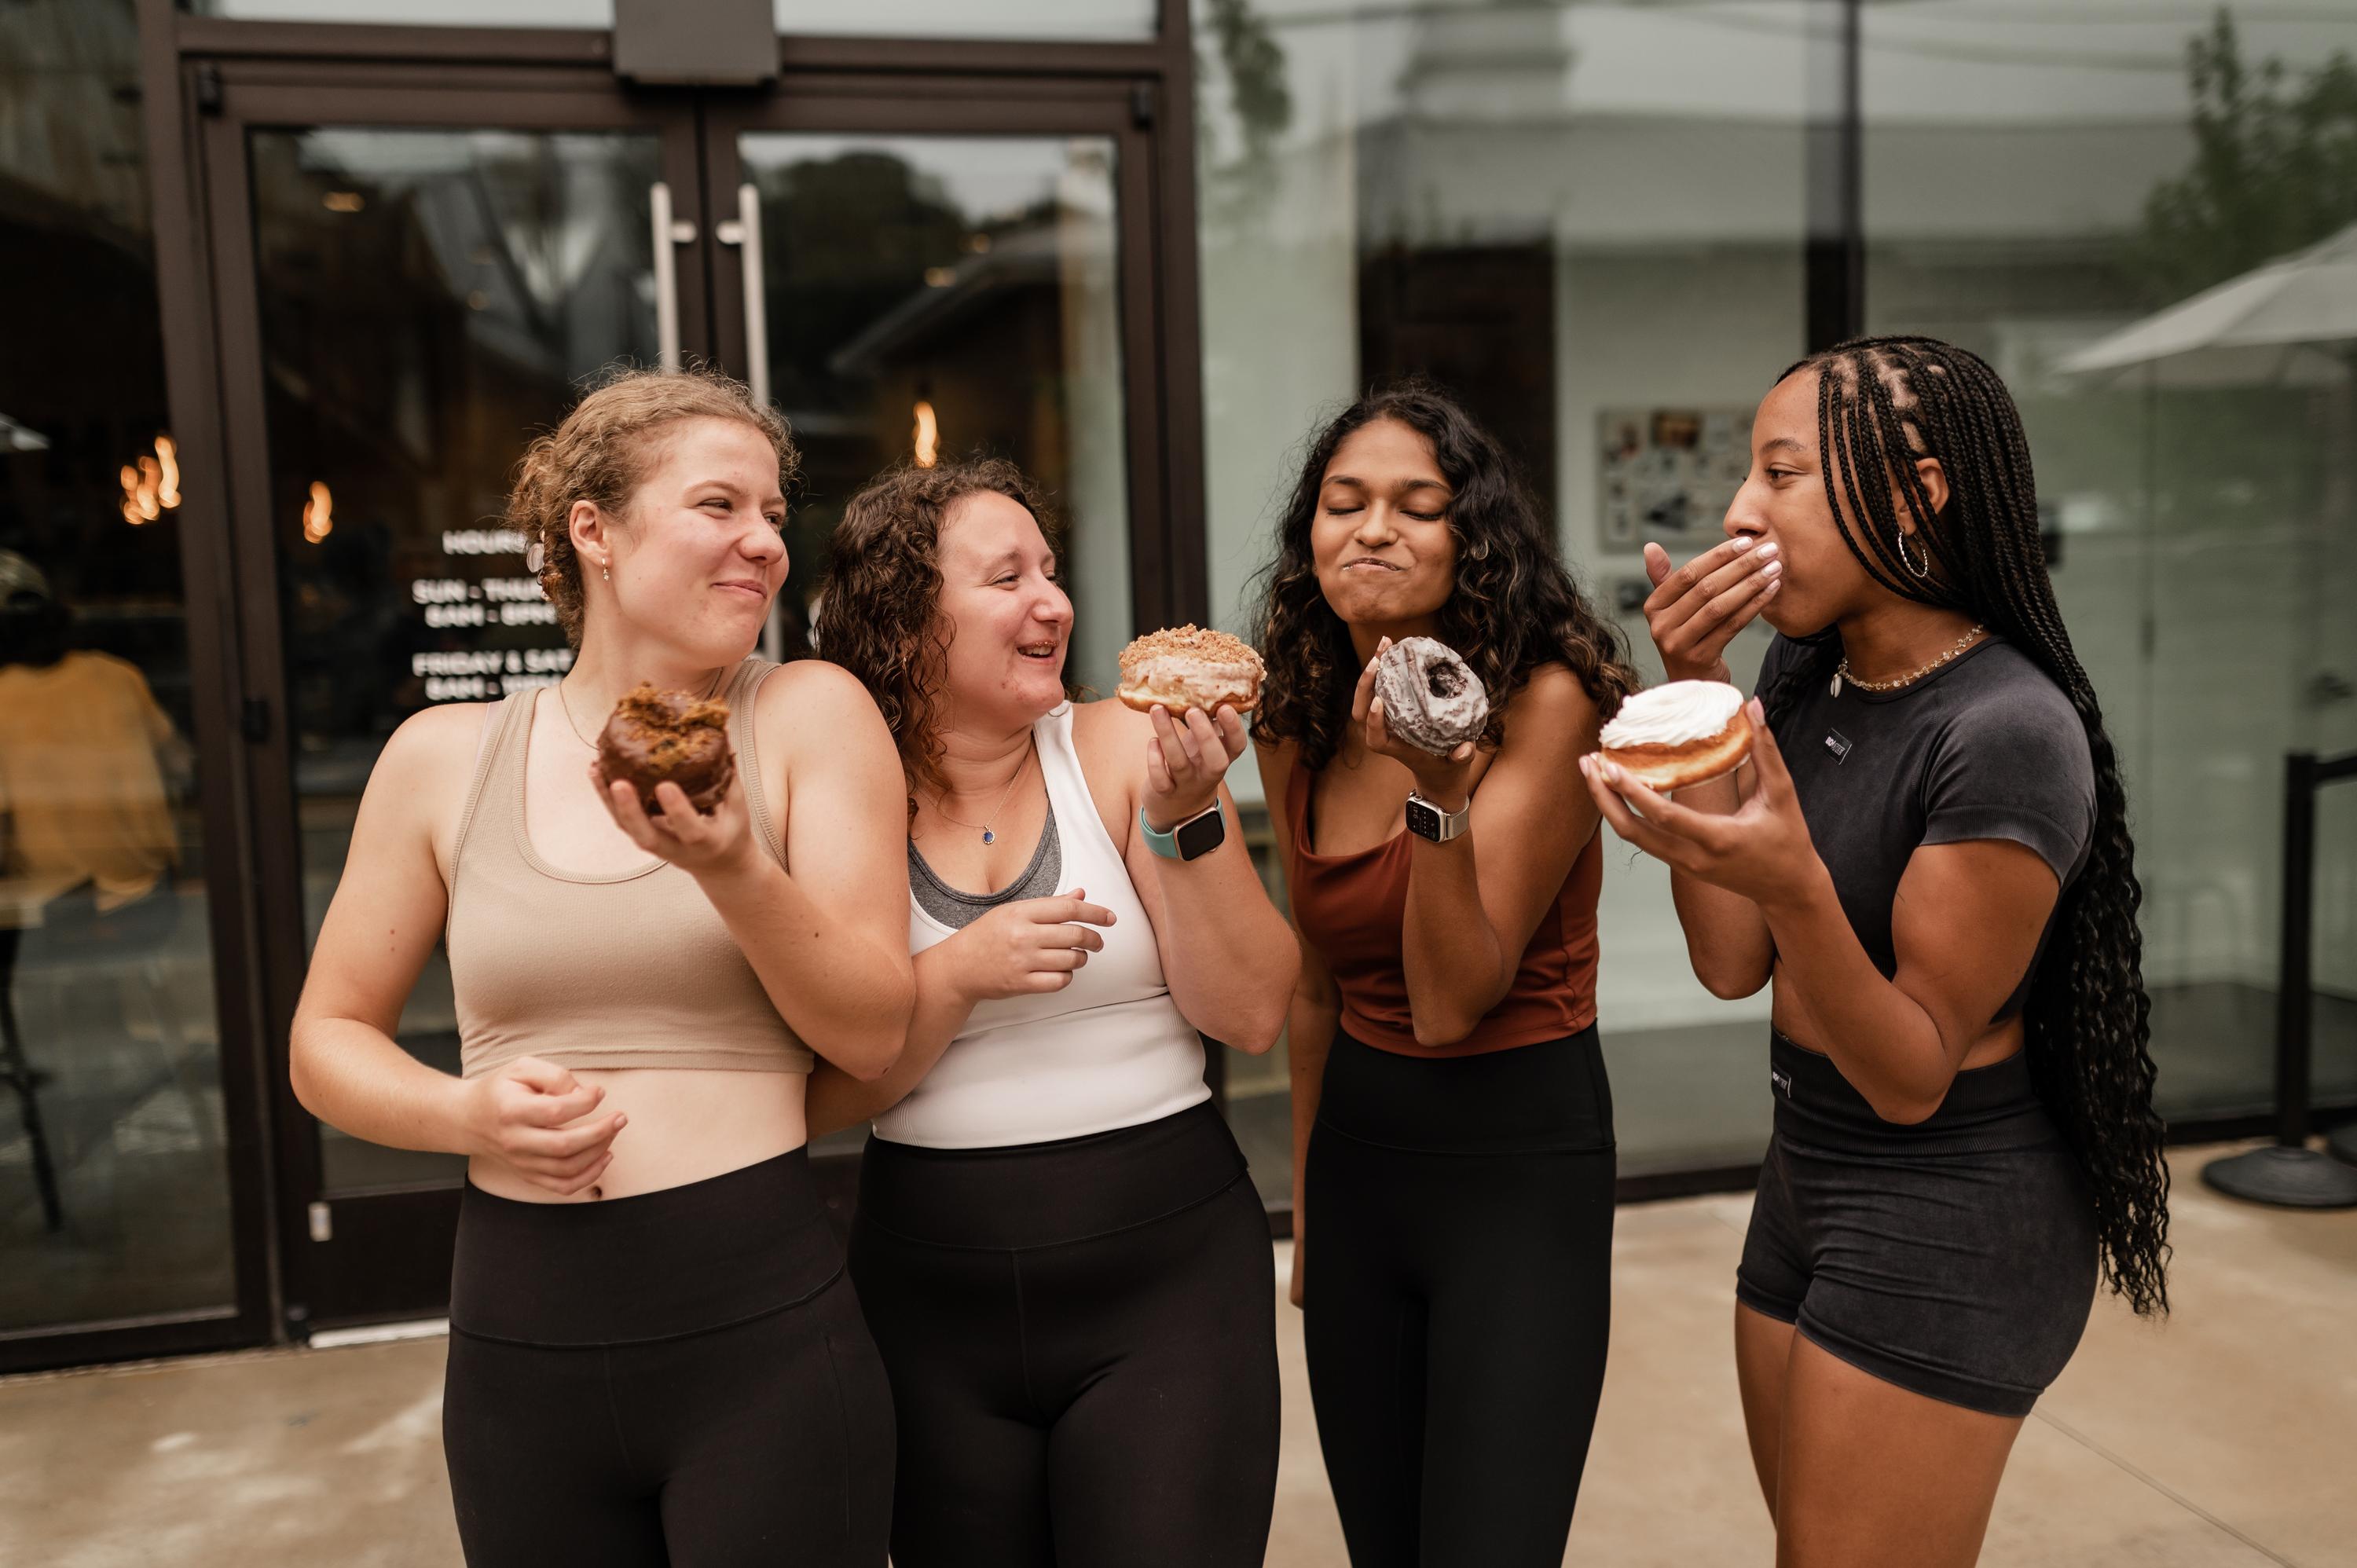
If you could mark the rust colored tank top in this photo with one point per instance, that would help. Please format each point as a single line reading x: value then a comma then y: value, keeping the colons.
x: 1352, y: 908
x: 624, y: 970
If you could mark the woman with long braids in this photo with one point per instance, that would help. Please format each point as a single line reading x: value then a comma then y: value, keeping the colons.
x: 1452, y: 1126
x: 1929, y: 859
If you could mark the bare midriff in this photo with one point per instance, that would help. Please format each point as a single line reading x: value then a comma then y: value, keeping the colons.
x: 1792, y: 1019
x: 687, y: 1124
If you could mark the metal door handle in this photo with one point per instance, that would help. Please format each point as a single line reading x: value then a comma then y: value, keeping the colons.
x: 668, y: 232
x: 745, y: 233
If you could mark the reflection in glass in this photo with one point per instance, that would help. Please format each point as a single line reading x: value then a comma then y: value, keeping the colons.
x: 1096, y: 20
x: 940, y: 295
x: 1577, y: 218
x: 428, y: 299
x: 113, y: 1176
x: 2058, y: 196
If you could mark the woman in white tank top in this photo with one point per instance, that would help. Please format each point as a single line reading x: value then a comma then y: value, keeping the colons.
x: 654, y: 1356
x: 1059, y: 1247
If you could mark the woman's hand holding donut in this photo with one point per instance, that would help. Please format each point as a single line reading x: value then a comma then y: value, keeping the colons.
x: 1185, y: 760
x: 1761, y: 851
x: 719, y: 844
x: 1445, y: 781
x: 1695, y: 611
x: 539, y: 1120
x: 1029, y: 947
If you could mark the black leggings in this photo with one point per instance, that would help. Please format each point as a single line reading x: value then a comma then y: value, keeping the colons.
x: 1458, y: 1294
x: 679, y: 1380
x: 1083, y: 1345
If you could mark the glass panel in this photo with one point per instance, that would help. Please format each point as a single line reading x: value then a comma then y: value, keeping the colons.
x: 1576, y: 216
x: 1093, y: 19
x: 428, y: 299
x: 931, y: 296
x: 2039, y: 188
x: 418, y: 12
x: 113, y: 1176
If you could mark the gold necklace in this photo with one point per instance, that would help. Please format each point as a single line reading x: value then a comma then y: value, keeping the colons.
x: 987, y: 835
x: 1863, y: 685
x: 567, y: 707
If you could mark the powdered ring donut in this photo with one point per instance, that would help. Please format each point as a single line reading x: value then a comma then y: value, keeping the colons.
x: 1431, y: 698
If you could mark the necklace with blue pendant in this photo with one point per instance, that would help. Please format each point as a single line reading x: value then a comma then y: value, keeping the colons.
x: 989, y: 834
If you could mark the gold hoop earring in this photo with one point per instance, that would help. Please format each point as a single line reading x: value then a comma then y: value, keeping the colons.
x: 1922, y: 571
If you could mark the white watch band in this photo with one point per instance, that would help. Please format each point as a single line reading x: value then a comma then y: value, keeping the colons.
x: 1445, y: 825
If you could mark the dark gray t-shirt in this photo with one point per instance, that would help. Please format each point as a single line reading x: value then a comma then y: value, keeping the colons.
x: 1986, y: 747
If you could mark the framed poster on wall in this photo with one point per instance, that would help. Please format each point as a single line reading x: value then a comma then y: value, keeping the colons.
x: 1668, y: 474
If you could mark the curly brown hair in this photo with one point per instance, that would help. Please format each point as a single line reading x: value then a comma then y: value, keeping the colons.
x: 876, y: 614
x: 1513, y: 608
x: 601, y: 453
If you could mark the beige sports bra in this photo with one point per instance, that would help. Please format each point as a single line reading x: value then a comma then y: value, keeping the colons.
x: 634, y: 969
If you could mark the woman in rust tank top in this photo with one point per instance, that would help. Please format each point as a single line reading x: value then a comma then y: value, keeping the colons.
x: 1452, y: 1126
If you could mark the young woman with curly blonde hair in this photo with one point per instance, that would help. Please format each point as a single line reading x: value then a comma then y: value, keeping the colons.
x: 654, y: 1356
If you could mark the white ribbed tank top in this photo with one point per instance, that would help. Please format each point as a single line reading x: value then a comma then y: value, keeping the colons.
x: 1109, y: 1050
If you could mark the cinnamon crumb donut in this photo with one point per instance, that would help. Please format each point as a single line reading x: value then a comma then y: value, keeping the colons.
x: 653, y: 737
x: 1190, y: 667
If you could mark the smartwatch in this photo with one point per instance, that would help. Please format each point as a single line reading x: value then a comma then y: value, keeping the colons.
x: 1426, y: 820
x: 1197, y: 837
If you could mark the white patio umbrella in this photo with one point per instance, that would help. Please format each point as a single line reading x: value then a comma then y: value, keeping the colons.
x: 2291, y: 322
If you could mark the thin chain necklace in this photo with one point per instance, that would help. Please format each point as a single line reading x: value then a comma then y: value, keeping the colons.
x: 1843, y: 674
x: 567, y: 707
x: 987, y: 835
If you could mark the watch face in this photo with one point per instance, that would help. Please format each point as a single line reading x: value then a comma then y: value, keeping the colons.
x: 1201, y: 836
x: 1422, y: 821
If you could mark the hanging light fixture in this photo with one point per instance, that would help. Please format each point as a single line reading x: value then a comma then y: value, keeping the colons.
x: 928, y: 435
x: 151, y: 486
x: 318, y: 519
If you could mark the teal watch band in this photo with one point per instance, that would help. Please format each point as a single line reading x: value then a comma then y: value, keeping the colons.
x: 1187, y: 840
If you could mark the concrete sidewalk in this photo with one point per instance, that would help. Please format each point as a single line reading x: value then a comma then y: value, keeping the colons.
x: 2227, y: 1438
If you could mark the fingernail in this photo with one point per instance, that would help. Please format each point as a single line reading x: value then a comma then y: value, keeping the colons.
x: 1774, y: 568
x: 1744, y: 541
x: 1767, y: 550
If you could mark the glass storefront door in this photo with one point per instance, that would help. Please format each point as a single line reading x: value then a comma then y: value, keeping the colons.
x: 123, y: 1083
x: 415, y: 282
x: 930, y: 276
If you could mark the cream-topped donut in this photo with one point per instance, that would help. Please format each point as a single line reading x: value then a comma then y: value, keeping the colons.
x: 1680, y: 734
x: 1190, y: 667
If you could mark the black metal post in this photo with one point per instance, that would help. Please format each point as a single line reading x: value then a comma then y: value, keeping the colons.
x: 2291, y: 1174
x: 2295, y: 1005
